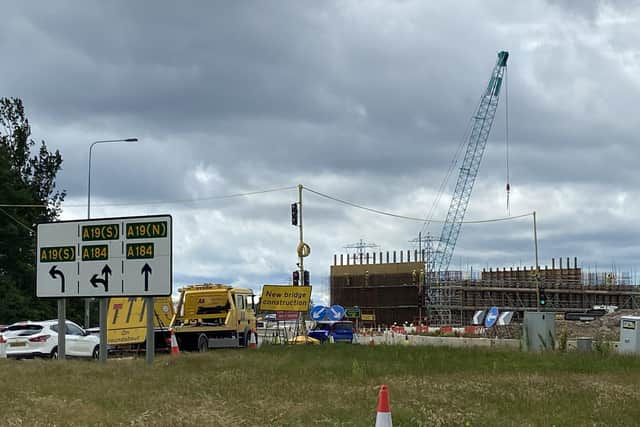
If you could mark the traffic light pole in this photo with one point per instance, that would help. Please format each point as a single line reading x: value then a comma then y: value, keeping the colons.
x: 300, y: 253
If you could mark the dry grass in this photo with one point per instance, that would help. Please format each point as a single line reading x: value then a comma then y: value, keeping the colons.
x: 326, y: 385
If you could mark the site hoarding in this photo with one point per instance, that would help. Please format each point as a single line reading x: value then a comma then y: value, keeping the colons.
x: 285, y: 298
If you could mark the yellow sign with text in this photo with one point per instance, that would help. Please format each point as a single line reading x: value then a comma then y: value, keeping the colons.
x: 285, y: 298
x: 127, y: 320
x: 368, y: 317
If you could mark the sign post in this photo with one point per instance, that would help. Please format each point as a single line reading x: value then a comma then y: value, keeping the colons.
x: 62, y: 328
x: 103, y: 258
x: 102, y: 307
x: 151, y: 345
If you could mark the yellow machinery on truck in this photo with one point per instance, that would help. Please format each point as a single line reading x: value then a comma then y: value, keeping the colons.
x: 127, y: 325
x: 214, y: 316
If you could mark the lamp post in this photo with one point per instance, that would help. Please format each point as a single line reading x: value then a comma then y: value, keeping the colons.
x: 106, y: 141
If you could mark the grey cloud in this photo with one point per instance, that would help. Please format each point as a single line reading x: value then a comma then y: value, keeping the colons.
x: 365, y: 103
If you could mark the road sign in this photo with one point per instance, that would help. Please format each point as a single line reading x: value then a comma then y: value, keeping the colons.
x: 285, y: 298
x: 352, y: 312
x: 505, y: 318
x: 318, y: 312
x: 491, y: 317
x: 335, y: 312
x: 287, y: 316
x: 478, y: 317
x: 128, y: 256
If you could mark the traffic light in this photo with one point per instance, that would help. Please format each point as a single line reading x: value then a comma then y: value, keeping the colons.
x: 296, y: 278
x: 305, y: 278
x: 420, y: 302
x: 543, y: 297
x: 294, y: 214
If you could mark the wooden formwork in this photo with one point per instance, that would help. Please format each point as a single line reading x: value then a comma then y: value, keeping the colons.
x: 397, y: 291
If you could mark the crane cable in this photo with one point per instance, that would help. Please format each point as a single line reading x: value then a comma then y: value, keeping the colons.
x: 506, y: 102
x: 454, y: 161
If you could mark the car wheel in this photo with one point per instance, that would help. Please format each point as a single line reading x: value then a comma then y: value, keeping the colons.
x: 203, y: 343
x: 96, y: 352
x: 54, y: 353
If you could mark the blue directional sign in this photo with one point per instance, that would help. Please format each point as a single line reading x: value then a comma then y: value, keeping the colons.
x: 318, y: 312
x: 335, y: 312
x: 491, y: 317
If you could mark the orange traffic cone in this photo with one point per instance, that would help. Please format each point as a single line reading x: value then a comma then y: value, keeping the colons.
x: 252, y: 340
x: 175, y: 350
x: 383, y: 419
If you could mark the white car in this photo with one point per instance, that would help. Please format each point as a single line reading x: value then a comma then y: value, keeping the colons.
x: 31, y: 339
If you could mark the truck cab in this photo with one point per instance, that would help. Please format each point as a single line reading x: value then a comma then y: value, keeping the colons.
x: 214, y: 316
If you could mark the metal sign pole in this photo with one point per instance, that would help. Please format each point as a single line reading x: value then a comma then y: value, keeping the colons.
x: 537, y: 277
x: 301, y: 258
x: 62, y: 328
x: 103, y: 329
x: 151, y: 345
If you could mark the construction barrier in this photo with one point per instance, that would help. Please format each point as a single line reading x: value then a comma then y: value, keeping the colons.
x: 398, y: 329
x: 472, y: 330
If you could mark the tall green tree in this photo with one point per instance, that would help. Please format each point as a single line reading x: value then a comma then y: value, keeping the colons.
x: 27, y: 177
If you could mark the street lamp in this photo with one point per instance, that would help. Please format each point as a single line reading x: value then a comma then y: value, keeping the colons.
x: 106, y: 141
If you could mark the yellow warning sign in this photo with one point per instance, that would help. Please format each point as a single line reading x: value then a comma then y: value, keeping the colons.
x: 127, y: 321
x: 285, y: 298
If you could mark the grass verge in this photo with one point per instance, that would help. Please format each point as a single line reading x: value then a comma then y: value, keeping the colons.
x: 327, y: 385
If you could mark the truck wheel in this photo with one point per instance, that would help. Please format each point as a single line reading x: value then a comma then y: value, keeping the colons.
x: 203, y: 343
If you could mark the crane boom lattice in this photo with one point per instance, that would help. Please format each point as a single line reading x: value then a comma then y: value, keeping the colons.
x: 482, y: 122
x: 444, y: 300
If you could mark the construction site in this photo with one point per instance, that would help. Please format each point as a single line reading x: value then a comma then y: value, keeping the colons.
x: 395, y: 289
x: 418, y: 286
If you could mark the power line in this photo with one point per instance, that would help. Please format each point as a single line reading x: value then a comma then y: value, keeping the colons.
x: 270, y: 190
x: 17, y: 221
x: 193, y: 200
x: 379, y: 212
x: 3, y: 205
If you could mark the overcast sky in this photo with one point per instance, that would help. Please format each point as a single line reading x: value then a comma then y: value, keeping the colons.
x: 366, y: 101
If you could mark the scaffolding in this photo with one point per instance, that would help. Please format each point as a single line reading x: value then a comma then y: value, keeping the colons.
x: 397, y: 288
